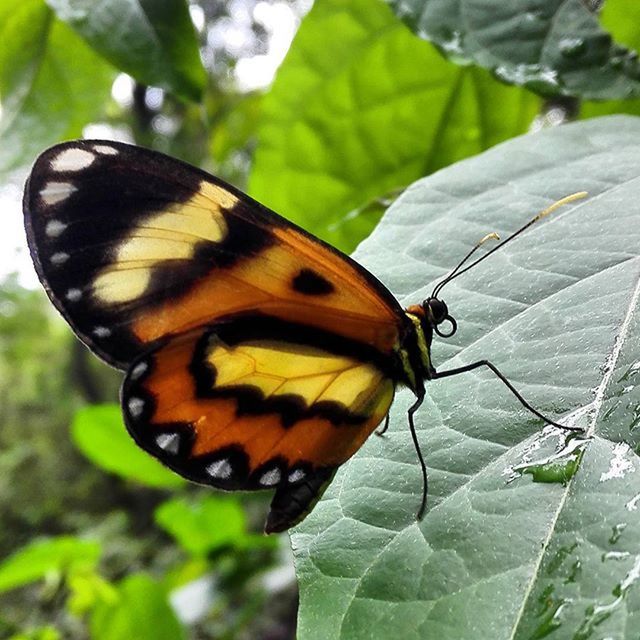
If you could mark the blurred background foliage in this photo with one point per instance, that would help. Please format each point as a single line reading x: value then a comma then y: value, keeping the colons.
x: 98, y: 540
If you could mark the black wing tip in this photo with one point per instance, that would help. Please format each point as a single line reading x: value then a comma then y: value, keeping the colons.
x: 276, y: 524
x: 291, y: 504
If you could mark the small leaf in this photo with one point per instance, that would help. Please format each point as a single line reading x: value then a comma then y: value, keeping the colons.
x: 34, y: 561
x: 86, y: 590
x: 506, y: 550
x: 554, y: 48
x: 142, y: 612
x: 354, y: 114
x: 202, y: 525
x: 154, y: 42
x: 100, y: 434
x: 41, y: 633
x: 57, y: 86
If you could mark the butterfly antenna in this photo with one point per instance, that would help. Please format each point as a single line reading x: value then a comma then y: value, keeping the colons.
x: 452, y: 274
x: 458, y: 271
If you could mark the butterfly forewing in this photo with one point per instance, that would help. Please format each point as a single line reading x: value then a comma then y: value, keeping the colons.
x: 133, y: 246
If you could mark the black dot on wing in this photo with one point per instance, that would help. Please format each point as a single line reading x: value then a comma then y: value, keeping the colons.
x: 311, y: 283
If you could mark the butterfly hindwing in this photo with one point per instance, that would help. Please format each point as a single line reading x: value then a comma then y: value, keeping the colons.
x: 256, y: 402
x: 133, y: 246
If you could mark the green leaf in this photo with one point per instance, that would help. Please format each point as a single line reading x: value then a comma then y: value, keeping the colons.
x: 553, y: 47
x: 204, y: 524
x: 42, y: 633
x: 353, y: 115
x: 622, y: 19
x: 34, y: 561
x: 100, y: 434
x: 141, y: 612
x: 154, y: 42
x: 609, y: 107
x: 51, y: 83
x: 528, y: 533
x: 23, y: 32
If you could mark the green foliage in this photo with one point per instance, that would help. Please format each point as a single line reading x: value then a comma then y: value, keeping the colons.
x: 207, y: 524
x: 98, y: 431
x: 43, y: 633
x: 62, y: 85
x: 499, y: 555
x: 153, y: 41
x: 40, y: 558
x: 353, y: 115
x: 38, y: 395
x: 140, y: 611
x: 554, y: 48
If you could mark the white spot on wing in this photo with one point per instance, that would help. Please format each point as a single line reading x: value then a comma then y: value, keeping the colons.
x: 296, y: 475
x: 220, y: 469
x: 101, y: 332
x: 271, y: 477
x: 54, y: 192
x: 72, y: 159
x: 73, y: 295
x: 169, y: 442
x: 138, y: 370
x: 58, y: 258
x: 135, y: 406
x: 105, y: 149
x: 54, y: 228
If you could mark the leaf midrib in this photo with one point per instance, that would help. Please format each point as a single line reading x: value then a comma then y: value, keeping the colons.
x: 597, y: 403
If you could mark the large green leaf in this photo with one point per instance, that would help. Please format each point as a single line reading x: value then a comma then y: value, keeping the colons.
x: 153, y: 41
x: 622, y: 19
x: 51, y: 83
x: 141, y: 611
x: 499, y: 555
x: 100, y: 434
x: 361, y: 107
x: 552, y: 47
x: 42, y: 557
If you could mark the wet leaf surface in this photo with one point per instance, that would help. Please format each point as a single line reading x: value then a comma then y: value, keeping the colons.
x: 557, y: 47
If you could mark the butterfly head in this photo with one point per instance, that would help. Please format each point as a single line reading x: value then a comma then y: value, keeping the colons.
x: 436, y: 313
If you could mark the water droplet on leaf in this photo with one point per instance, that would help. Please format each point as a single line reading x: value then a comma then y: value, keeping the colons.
x: 572, y: 47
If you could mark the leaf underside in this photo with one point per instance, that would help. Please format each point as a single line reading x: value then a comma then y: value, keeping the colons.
x: 499, y: 555
x: 556, y: 47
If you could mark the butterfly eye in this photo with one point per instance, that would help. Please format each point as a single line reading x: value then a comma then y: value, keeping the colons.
x: 437, y: 312
x: 436, y: 309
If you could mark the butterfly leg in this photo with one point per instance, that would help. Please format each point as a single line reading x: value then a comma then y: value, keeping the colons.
x: 384, y: 429
x: 412, y: 427
x: 516, y: 393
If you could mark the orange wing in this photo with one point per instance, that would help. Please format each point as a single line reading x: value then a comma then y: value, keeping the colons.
x: 133, y: 246
x: 256, y: 403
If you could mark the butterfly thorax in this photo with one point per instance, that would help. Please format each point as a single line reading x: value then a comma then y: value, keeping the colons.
x: 415, y: 350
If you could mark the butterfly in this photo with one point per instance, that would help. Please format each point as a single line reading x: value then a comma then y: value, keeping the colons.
x: 256, y: 355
